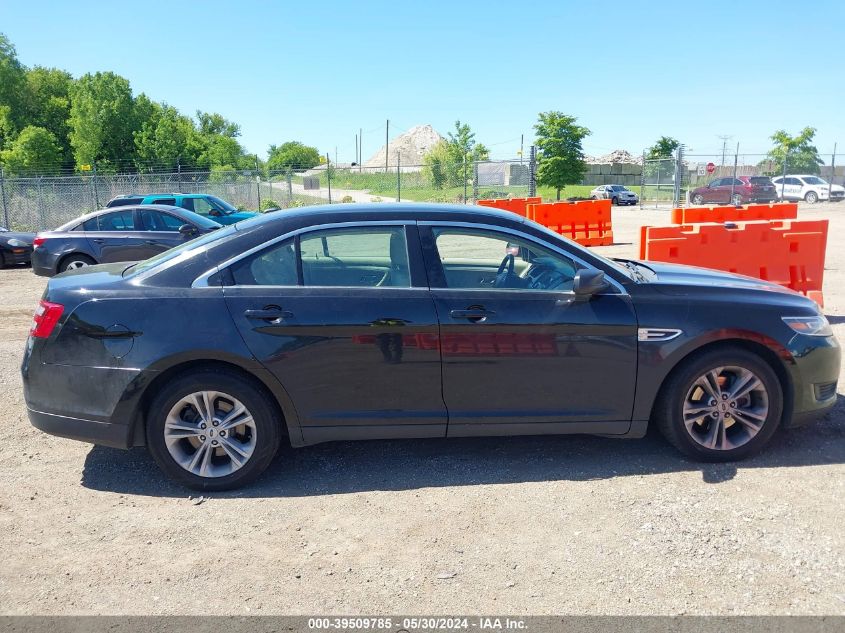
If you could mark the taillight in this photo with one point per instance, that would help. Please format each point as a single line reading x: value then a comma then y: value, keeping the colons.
x: 38, y: 241
x: 45, y: 318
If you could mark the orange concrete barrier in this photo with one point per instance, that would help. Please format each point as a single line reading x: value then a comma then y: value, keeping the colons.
x: 514, y: 205
x: 787, y: 252
x: 748, y: 213
x: 587, y: 222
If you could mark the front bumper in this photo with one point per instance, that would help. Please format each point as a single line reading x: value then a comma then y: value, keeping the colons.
x: 814, y: 377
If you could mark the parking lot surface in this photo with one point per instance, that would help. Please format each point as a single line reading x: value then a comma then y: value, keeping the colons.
x: 536, y: 525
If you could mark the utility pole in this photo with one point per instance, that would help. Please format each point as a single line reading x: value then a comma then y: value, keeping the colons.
x: 329, y: 175
x: 725, y: 138
x: 398, y: 180
x: 733, y: 181
x: 386, y: 143
x: 356, y: 150
x: 833, y: 167
x: 521, y: 140
x: 360, y: 147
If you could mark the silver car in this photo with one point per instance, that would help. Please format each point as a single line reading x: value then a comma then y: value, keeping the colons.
x: 617, y: 194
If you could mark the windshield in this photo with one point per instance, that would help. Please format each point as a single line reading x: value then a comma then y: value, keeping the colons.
x: 619, y: 188
x: 186, y: 250
x: 814, y: 180
x: 203, y: 222
x: 577, y: 247
x: 222, y: 205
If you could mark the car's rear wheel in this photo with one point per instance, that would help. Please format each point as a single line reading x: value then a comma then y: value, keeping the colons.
x: 736, y: 199
x: 698, y: 199
x: 614, y: 201
x: 720, y: 406
x: 812, y: 197
x: 212, y: 430
x: 72, y: 262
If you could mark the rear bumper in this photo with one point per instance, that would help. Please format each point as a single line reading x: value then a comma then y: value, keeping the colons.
x: 43, y: 263
x: 105, y: 433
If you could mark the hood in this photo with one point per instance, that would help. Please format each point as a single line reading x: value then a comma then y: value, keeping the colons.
x: 837, y: 188
x: 23, y: 237
x: 240, y: 215
x: 679, y: 275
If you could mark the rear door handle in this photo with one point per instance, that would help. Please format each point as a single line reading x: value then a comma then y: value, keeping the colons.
x: 473, y: 314
x: 270, y: 313
x: 98, y: 240
x: 153, y: 242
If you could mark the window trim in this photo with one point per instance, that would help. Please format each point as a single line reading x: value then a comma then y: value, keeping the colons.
x: 203, y: 280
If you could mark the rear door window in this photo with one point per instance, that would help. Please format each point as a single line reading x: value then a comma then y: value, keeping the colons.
x: 158, y: 221
x: 116, y: 221
x: 168, y: 201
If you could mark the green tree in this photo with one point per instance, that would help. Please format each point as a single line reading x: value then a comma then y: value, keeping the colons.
x: 34, y: 150
x: 664, y: 147
x: 446, y: 163
x: 102, y: 120
x: 561, y: 157
x: 12, y: 91
x: 213, y: 124
x: 292, y: 155
x: 48, y: 105
x: 799, y: 152
x: 164, y: 138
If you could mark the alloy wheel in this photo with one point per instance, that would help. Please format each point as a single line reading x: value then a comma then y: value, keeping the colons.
x: 725, y: 408
x: 77, y: 264
x: 210, y: 434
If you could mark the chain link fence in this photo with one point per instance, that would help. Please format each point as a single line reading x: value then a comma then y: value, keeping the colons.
x: 42, y: 202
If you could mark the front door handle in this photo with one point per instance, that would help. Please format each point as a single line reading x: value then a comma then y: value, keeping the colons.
x: 476, y: 315
x: 99, y: 240
x: 151, y: 242
x: 269, y: 313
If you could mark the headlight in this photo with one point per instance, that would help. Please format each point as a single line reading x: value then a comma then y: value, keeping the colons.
x: 812, y: 325
x: 16, y: 243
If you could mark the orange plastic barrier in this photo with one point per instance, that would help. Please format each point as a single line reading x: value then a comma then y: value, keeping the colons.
x: 787, y: 252
x: 751, y: 212
x: 514, y: 205
x: 587, y: 222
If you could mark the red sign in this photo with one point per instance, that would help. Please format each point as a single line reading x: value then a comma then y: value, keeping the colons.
x: 711, y: 168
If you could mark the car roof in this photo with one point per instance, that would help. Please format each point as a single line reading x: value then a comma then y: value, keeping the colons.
x: 356, y: 212
x: 128, y: 207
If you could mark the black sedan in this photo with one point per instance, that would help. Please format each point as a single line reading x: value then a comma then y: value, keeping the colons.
x: 130, y: 233
x: 409, y: 321
x: 15, y: 248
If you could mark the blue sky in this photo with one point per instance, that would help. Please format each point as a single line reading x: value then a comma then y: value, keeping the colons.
x: 319, y: 71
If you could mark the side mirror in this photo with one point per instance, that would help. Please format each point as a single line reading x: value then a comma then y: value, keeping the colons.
x: 214, y: 213
x: 187, y: 230
x: 588, y: 282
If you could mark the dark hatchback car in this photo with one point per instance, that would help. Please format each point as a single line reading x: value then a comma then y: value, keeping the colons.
x: 740, y: 190
x: 115, y: 235
x: 15, y: 248
x: 378, y: 321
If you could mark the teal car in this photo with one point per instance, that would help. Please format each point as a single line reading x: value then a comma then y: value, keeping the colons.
x: 208, y: 206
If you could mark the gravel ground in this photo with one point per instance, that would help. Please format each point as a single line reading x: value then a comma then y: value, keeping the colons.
x: 542, y: 525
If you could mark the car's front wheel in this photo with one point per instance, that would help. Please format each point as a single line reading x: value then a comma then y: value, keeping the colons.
x: 721, y: 406
x: 736, y: 199
x: 698, y: 199
x: 212, y: 430
x: 812, y: 197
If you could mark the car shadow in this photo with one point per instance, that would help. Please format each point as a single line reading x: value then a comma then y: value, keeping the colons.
x: 835, y: 319
x: 349, y: 467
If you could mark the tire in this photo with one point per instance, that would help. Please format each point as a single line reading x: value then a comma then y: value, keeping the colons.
x: 738, y: 440
x: 614, y: 201
x: 74, y: 261
x: 698, y: 199
x: 811, y: 198
x: 3, y: 263
x: 254, y: 443
x: 736, y: 200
